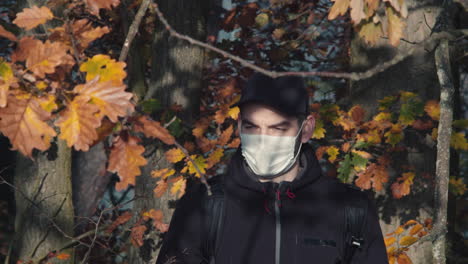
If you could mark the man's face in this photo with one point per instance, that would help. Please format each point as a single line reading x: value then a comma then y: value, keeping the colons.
x: 262, y: 119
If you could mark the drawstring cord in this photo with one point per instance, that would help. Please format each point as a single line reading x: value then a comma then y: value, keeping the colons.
x: 288, y: 193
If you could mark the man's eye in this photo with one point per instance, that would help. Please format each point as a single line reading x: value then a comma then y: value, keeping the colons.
x: 280, y: 129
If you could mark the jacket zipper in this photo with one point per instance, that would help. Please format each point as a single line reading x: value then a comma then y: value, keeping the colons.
x: 277, y: 229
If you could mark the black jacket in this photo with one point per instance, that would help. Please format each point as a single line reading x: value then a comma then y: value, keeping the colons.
x: 294, y: 222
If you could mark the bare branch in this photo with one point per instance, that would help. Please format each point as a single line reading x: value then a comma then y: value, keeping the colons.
x: 133, y: 30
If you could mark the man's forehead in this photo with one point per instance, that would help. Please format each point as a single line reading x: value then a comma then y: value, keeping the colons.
x: 257, y: 112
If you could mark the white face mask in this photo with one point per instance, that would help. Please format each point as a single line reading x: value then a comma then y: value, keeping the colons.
x: 269, y: 156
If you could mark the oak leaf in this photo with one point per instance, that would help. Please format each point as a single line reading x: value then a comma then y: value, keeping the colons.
x: 161, y: 188
x: 78, y: 123
x: 383, y: 116
x: 357, y: 11
x: 162, y: 173
x: 394, y: 135
x: 7, y: 34
x: 339, y: 8
x: 458, y: 141
x: 234, y: 143
x: 153, y: 129
x: 199, y: 164
x: 178, y: 186
x: 226, y: 112
x: 375, y: 175
x: 136, y: 235
x: 332, y: 152
x: 319, y: 131
x: 23, y: 121
x: 30, y: 18
x: 107, y: 68
x: 320, y: 151
x: 82, y: 31
x: 95, y: 5
x: 122, y: 219
x: 402, y: 186
x: 24, y: 47
x: 44, y: 57
x: 6, y: 80
x: 371, y: 32
x: 225, y: 136
x: 200, y: 127
x: 110, y: 97
x: 432, y: 109
x: 389, y: 241
x: 407, y: 240
x: 214, y: 157
x: 395, y: 26
x: 357, y: 113
x: 174, y: 155
x: 125, y: 159
x: 415, y: 229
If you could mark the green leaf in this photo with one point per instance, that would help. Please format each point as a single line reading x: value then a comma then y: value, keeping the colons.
x: 359, y: 162
x: 386, y: 102
x: 150, y: 106
x: 410, y: 110
x: 462, y: 123
x: 176, y: 128
x: 344, y: 168
x: 361, y: 144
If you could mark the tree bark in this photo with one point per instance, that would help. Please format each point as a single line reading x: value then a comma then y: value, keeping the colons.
x: 417, y: 74
x: 443, y: 149
x: 176, y: 77
x: 44, y: 209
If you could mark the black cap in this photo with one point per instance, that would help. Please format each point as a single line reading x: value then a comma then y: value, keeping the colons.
x: 286, y: 94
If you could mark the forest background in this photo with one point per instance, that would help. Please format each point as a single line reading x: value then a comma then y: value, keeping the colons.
x: 110, y: 109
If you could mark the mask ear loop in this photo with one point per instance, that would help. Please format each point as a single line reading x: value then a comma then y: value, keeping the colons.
x: 300, y: 140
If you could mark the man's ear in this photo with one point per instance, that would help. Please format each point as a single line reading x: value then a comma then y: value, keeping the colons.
x: 308, y: 128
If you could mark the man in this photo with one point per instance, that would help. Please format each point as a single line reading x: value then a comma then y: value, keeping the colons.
x: 278, y: 207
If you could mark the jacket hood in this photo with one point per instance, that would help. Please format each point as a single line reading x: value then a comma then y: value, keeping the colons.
x: 240, y: 175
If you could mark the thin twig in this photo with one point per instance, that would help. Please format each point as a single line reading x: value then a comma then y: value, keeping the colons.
x: 133, y: 30
x: 355, y: 76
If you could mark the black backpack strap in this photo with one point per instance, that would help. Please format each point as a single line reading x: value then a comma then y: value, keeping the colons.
x: 214, y: 208
x: 355, y: 215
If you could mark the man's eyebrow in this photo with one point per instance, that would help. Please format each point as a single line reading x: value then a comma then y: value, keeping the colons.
x: 280, y: 124
x: 248, y: 122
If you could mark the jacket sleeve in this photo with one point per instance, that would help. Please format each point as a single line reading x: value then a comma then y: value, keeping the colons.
x: 374, y: 250
x: 183, y: 241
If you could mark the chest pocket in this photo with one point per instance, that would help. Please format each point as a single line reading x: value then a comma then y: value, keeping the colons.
x: 315, y: 250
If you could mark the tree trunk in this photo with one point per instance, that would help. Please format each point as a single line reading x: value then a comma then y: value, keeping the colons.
x: 176, y: 77
x: 44, y: 209
x: 418, y: 74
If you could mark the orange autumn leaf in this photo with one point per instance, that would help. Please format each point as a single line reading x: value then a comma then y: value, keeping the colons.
x: 95, y: 5
x: 162, y: 173
x: 234, y: 143
x: 63, y: 256
x: 44, y: 57
x: 415, y: 229
x: 225, y: 136
x: 125, y: 159
x: 320, y: 151
x: 200, y: 127
x: 403, y: 259
x: 111, y: 99
x: 153, y: 129
x: 214, y: 157
x: 389, y: 241
x: 83, y: 32
x: 25, y: 46
x: 122, y: 219
x: 407, y: 240
x: 32, y: 17
x: 137, y: 234
x: 432, y: 109
x: 374, y: 175
x: 7, y: 34
x: 402, y: 186
x: 174, y: 155
x: 161, y: 188
x: 23, y: 121
x: 357, y: 113
x: 206, y: 144
x: 78, y: 123
x: 345, y: 122
x: 226, y: 112
x: 157, y: 217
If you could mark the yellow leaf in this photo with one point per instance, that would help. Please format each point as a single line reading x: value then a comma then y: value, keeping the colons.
x: 415, y: 229
x: 332, y: 152
x: 432, y: 109
x: 394, y: 135
x: 395, y: 26
x: 200, y: 164
x: 234, y: 112
x: 319, y: 131
x: 434, y: 133
x: 363, y: 154
x: 163, y: 173
x: 32, y: 17
x: 370, y: 32
x: 125, y: 159
x: 407, y: 240
x: 108, y: 69
x: 48, y: 103
x: 214, y: 157
x: 383, y: 116
x: 262, y: 19
x: 178, y: 187
x: 405, y: 95
x: 389, y: 241
x: 174, y: 155
x: 457, y: 186
x: 458, y: 141
x: 78, y: 123
x: 339, y: 8
x: 6, y: 80
x: 399, y: 230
